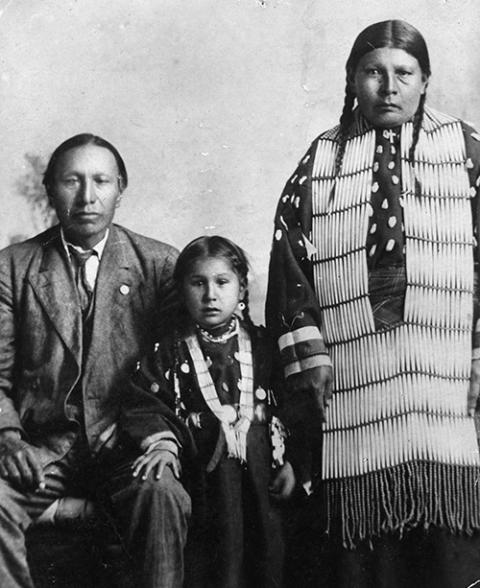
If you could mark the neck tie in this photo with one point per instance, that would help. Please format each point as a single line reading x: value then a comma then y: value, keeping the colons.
x: 79, y: 260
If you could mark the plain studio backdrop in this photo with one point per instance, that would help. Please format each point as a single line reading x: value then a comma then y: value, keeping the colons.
x: 210, y: 102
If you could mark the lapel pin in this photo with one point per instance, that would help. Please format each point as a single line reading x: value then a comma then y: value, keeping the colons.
x: 124, y: 289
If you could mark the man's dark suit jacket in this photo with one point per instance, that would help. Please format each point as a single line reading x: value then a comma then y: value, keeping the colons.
x: 41, y: 334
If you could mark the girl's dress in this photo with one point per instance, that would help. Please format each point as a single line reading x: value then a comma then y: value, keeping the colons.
x: 235, y: 538
x: 380, y: 279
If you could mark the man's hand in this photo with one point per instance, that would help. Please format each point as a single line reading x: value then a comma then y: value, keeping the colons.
x: 19, y: 462
x: 283, y: 483
x: 317, y: 382
x: 155, y: 461
x: 474, y: 389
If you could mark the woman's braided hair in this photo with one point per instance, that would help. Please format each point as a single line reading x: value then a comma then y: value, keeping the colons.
x: 396, y: 34
x: 215, y: 246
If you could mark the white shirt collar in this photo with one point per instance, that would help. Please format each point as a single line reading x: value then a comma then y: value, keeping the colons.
x: 98, y: 248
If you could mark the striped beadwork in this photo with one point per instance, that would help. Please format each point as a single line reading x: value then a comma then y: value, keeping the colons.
x: 235, y: 430
x: 399, y: 395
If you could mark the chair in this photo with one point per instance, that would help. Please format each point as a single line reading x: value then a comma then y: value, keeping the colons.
x: 78, y: 549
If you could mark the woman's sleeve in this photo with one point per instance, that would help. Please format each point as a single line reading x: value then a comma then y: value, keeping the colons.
x: 472, y: 142
x: 292, y: 311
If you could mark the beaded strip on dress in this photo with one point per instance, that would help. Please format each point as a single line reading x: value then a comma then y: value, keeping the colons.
x: 235, y: 425
x: 397, y: 426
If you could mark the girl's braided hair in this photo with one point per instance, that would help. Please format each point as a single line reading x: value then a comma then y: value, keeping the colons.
x: 215, y: 246
x: 396, y: 34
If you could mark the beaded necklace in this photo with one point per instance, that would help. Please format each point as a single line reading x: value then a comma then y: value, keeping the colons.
x: 231, y: 331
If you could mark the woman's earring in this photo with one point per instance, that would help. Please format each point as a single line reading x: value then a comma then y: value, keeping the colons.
x: 241, y: 305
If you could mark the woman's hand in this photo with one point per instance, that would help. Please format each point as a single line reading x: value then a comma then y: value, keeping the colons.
x: 318, y: 383
x: 155, y: 461
x: 474, y: 389
x: 283, y: 484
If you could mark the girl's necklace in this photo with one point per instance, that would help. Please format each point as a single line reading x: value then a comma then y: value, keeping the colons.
x: 229, y: 333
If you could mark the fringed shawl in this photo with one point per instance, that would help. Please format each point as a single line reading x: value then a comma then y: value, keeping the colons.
x: 399, y: 448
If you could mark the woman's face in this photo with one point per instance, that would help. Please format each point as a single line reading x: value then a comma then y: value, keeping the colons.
x: 388, y: 84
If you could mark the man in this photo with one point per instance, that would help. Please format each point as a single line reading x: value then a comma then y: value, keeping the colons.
x: 78, y: 306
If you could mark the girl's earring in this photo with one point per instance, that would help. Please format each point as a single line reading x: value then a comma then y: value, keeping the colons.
x: 241, y: 305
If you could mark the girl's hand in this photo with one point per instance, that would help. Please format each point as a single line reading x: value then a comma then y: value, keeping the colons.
x: 155, y: 461
x: 474, y: 390
x: 283, y: 483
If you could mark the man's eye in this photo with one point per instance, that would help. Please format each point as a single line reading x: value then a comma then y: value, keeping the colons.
x: 70, y: 181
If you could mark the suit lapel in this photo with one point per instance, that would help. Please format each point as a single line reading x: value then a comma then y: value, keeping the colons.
x: 114, y: 268
x: 114, y: 274
x: 55, y: 289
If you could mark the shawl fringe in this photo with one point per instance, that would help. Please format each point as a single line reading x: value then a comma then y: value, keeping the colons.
x: 396, y: 499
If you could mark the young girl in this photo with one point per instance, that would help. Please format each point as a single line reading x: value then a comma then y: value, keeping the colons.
x: 213, y: 371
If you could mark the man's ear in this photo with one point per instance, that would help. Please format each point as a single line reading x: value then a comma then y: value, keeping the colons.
x: 49, y: 196
x: 121, y: 184
x: 121, y: 188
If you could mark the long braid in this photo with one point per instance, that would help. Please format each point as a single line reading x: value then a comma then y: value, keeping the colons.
x: 417, y: 125
x: 175, y: 375
x: 246, y: 312
x: 346, y: 120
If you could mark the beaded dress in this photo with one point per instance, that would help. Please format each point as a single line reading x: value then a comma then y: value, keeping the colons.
x: 379, y: 280
x: 235, y: 537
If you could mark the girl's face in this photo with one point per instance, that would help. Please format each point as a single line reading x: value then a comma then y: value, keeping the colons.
x: 212, y: 291
x: 388, y: 84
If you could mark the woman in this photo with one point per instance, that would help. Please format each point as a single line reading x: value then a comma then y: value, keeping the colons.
x: 372, y: 272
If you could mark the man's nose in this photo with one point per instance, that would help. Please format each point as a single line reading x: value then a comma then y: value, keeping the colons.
x: 86, y: 192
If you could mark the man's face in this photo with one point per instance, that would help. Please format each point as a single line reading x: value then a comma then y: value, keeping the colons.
x: 86, y: 190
